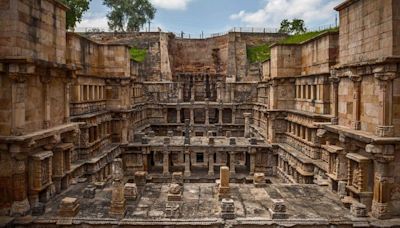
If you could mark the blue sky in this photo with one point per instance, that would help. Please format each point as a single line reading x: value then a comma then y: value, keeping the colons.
x: 212, y: 16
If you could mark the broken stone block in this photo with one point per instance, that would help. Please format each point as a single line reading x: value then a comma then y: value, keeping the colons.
x: 278, y: 210
x: 130, y: 191
x: 259, y: 179
x: 227, y: 209
x: 358, y: 210
x: 69, y: 207
x: 140, y: 178
x: 89, y: 192
x: 177, y: 178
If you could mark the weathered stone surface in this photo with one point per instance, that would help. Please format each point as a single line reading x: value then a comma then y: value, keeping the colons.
x: 130, y: 191
x: 69, y: 207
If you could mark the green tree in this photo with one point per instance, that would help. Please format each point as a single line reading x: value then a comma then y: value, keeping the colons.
x: 285, y: 26
x: 129, y: 15
x: 296, y: 26
x: 76, y: 10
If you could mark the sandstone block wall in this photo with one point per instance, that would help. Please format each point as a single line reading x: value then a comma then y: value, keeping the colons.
x: 33, y: 29
x: 366, y: 30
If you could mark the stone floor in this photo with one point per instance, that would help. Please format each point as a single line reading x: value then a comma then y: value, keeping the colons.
x: 201, y: 201
x: 306, y: 204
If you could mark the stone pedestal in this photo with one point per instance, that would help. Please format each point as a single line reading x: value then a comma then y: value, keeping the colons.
x: 89, y: 192
x: 175, y: 192
x: 172, y: 210
x: 118, y: 199
x: 130, y: 191
x: 358, y: 210
x: 227, y: 209
x: 69, y: 207
x: 259, y: 180
x: 278, y: 210
x: 140, y: 178
x: 223, y: 188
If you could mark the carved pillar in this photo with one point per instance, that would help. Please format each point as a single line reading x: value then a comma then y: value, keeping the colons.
x: 335, y: 99
x: 220, y: 116
x: 385, y: 126
x: 247, y: 124
x: 178, y: 115
x: 207, y: 121
x: 45, y: 78
x: 383, y: 181
x: 124, y: 130
x: 232, y: 162
x: 211, y: 162
x: 219, y: 91
x: 193, y: 92
x: 356, y: 124
x: 233, y: 115
x: 187, y: 162
x: 191, y: 116
x: 20, y: 204
x: 18, y: 96
x: 67, y: 99
x: 252, y: 152
x: 166, y: 161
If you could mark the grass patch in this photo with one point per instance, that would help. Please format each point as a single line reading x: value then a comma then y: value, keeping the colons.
x: 139, y: 55
x: 299, y: 38
x: 258, y: 54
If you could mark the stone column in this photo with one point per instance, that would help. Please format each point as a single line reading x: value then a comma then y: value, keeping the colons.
x: 178, y: 115
x: 67, y: 99
x: 165, y: 161
x: 355, y: 123
x: 232, y: 162
x: 45, y: 78
x: 191, y: 116
x: 252, y: 152
x: 207, y: 122
x: 180, y: 92
x: 247, y: 124
x: 20, y: 205
x: 77, y: 92
x: 219, y: 91
x: 385, y: 126
x: 124, y: 130
x: 335, y: 98
x: 117, y: 198
x: 211, y: 162
x: 187, y: 162
x: 220, y: 116
x: 193, y: 92
x: 18, y: 95
x: 383, y: 181
x: 233, y: 115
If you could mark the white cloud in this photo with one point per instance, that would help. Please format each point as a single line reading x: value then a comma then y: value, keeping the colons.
x: 171, y: 4
x: 94, y: 22
x: 319, y: 12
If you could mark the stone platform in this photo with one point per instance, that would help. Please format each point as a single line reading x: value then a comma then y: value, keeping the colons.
x: 305, y: 204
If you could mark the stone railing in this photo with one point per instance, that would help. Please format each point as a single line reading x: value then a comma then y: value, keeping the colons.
x: 87, y: 107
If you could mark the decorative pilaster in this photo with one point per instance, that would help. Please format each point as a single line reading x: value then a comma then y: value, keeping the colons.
x: 45, y: 79
x: 232, y: 162
x: 211, y: 162
x: 385, y: 126
x: 18, y: 96
x: 178, y: 115
x: 166, y: 160
x: 252, y: 152
x: 247, y: 124
x: 187, y: 162
x: 355, y: 123
x: 335, y: 97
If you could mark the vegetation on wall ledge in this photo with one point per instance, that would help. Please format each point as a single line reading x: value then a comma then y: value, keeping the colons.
x: 258, y: 54
x: 138, y: 55
x: 299, y: 38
